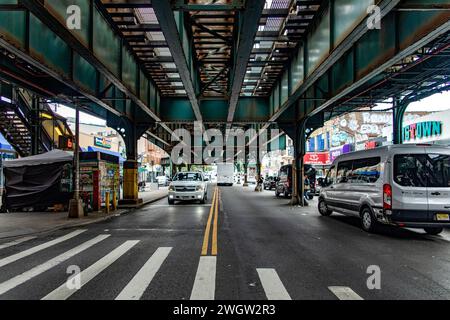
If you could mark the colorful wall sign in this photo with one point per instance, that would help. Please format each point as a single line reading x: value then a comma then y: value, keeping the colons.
x: 422, y: 130
x: 102, y: 142
x: 317, y: 158
x: 336, y: 152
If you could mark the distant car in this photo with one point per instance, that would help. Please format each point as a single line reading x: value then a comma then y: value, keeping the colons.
x: 188, y: 186
x: 284, y: 181
x: 163, y: 180
x: 270, y: 183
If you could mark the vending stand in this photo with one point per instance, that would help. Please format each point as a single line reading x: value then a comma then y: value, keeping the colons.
x: 99, y: 178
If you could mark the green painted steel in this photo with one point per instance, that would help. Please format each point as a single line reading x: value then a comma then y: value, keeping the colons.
x: 84, y: 74
x: 48, y: 48
x: 59, y: 9
x: 374, y: 48
x: 252, y: 109
x: 107, y: 45
x: 143, y: 88
x: 12, y: 26
x: 285, y: 87
x: 214, y: 110
x: 129, y: 70
x: 342, y: 73
x: 297, y: 70
x: 319, y: 43
x: 348, y: 14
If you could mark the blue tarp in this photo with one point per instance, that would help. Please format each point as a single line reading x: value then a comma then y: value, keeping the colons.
x: 4, y: 145
x: 95, y: 149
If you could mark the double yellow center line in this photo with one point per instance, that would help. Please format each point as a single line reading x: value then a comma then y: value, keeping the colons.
x: 213, y: 219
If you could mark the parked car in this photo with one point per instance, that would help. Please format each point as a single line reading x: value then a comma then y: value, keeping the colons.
x: 270, y: 183
x: 402, y: 185
x: 188, y: 186
x: 163, y: 180
x: 284, y: 181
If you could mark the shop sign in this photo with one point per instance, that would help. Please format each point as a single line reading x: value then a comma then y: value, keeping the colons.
x: 422, y: 130
x: 102, y: 142
x: 317, y: 158
x: 336, y: 152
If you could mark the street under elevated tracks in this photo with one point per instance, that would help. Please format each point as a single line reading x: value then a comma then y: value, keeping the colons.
x: 266, y: 249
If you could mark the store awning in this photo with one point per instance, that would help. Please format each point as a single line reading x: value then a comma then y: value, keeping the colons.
x: 95, y: 149
x: 4, y: 145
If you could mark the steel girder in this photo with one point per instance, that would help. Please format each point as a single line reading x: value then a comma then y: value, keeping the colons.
x: 248, y: 29
x: 38, y: 9
x: 165, y: 15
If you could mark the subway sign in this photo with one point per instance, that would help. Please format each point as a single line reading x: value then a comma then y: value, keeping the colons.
x: 422, y: 130
x: 102, y: 142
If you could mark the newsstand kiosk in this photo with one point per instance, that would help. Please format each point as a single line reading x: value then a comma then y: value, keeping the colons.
x: 99, y: 176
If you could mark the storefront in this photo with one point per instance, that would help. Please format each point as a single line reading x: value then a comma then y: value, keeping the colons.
x: 433, y: 128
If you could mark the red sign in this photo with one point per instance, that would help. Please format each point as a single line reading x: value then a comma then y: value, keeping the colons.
x: 317, y: 158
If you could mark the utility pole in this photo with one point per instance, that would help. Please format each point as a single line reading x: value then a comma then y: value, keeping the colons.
x: 75, y: 205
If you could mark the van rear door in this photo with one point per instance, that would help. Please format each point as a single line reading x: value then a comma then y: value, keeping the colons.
x: 409, y: 190
x: 438, y: 165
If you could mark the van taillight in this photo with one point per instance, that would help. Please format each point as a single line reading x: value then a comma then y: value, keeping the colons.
x: 387, y: 197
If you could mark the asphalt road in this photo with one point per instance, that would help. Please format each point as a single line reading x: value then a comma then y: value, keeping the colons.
x: 266, y: 249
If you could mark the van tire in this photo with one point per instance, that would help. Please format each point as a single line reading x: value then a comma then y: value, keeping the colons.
x: 434, y: 231
x: 368, y: 221
x: 171, y: 202
x: 323, y: 208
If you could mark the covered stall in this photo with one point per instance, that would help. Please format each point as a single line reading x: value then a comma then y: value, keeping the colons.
x: 39, y: 181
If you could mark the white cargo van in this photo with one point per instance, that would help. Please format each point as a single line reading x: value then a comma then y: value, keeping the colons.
x: 401, y: 185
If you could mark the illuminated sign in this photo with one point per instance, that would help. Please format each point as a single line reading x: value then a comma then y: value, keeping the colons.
x: 422, y: 130
x: 317, y: 158
x: 102, y: 142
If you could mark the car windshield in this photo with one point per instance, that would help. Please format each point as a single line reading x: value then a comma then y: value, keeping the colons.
x: 188, y: 177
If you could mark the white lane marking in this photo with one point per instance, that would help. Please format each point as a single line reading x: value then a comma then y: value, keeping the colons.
x: 26, y: 253
x: 205, y: 279
x: 64, y: 292
x: 273, y: 287
x: 180, y: 206
x: 28, y: 275
x: 16, y: 242
x: 345, y: 293
x: 140, y: 282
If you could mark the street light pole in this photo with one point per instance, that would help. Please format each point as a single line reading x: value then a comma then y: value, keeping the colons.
x: 75, y: 205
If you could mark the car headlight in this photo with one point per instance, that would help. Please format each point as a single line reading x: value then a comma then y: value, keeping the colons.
x: 171, y: 188
x: 199, y: 188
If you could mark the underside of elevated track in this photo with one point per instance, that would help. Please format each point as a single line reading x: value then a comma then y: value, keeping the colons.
x: 151, y: 67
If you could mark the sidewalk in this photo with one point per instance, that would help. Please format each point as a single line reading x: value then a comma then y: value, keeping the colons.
x: 20, y: 224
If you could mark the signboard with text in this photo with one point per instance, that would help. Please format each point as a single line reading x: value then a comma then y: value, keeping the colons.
x: 102, y: 142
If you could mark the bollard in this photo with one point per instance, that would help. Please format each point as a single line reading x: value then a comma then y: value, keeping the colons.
x: 114, y: 199
x: 107, y: 202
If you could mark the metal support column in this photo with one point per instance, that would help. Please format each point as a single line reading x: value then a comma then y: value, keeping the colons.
x: 76, y: 205
x: 399, y: 110
x: 259, y: 187
x: 35, y: 126
x: 298, y: 171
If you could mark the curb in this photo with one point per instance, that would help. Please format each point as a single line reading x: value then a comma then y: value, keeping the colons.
x: 85, y: 223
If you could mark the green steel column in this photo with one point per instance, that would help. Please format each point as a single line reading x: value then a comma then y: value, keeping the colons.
x: 298, y: 170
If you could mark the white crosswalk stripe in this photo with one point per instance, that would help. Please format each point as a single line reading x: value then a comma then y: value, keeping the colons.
x: 28, y: 275
x: 64, y: 292
x: 273, y: 287
x: 344, y: 293
x: 26, y: 253
x: 16, y: 242
x: 140, y: 282
x: 205, y: 279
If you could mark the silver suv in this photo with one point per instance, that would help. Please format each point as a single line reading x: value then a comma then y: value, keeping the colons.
x: 401, y: 185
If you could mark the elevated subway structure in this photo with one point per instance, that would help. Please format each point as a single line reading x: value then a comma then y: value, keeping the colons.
x: 152, y: 67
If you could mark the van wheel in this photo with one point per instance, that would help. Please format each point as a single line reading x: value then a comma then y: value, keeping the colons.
x: 171, y: 202
x: 434, y: 231
x: 368, y: 221
x: 323, y: 208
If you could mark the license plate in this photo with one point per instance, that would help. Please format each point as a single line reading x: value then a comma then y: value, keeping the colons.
x: 442, y: 217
